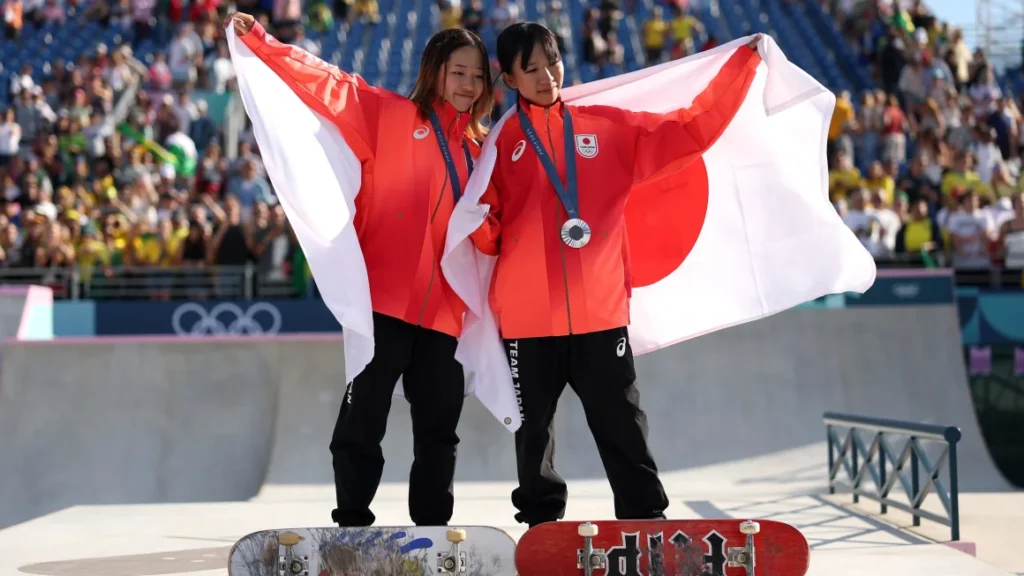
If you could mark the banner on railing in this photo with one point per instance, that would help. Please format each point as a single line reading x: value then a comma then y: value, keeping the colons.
x: 898, y: 288
x: 907, y: 288
x: 988, y: 318
x: 985, y: 318
x: 209, y: 318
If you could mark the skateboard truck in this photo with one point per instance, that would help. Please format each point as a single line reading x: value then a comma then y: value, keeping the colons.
x: 589, y: 559
x: 744, y: 557
x: 288, y: 563
x: 455, y: 561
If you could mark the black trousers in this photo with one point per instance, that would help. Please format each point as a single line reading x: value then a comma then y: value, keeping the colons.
x: 599, y: 368
x: 434, y: 388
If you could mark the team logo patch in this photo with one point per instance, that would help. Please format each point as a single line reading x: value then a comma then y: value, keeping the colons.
x: 421, y: 133
x: 518, y: 151
x: 586, y: 145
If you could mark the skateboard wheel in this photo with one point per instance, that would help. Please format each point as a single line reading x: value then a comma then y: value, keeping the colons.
x: 289, y: 539
x: 749, y: 527
x: 456, y: 535
x: 587, y: 530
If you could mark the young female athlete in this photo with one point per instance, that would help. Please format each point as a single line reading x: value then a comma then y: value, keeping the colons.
x: 561, y: 285
x: 416, y: 156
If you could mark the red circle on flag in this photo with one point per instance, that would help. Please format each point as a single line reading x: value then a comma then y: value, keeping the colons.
x: 664, y: 217
x: 586, y: 141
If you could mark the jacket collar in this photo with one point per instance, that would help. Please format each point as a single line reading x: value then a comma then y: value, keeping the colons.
x: 537, y: 113
x: 453, y: 122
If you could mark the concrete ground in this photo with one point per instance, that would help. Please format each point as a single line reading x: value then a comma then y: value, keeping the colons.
x: 153, y: 456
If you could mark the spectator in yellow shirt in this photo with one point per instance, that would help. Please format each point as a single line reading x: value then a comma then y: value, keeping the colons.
x: 147, y: 248
x: 878, y: 179
x: 683, y: 27
x: 147, y: 253
x: 367, y: 10
x: 960, y: 175
x: 655, y: 32
x: 173, y: 236
x: 115, y: 236
x: 919, y: 233
x: 844, y: 119
x: 844, y: 178
x: 451, y: 14
x: 91, y: 254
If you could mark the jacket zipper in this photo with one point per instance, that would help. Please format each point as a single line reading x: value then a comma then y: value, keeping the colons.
x: 561, y: 245
x: 433, y: 267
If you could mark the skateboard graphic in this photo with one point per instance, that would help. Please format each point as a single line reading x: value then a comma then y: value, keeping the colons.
x: 374, y: 550
x: 663, y: 548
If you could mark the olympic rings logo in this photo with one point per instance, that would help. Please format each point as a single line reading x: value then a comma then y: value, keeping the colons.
x: 226, y: 319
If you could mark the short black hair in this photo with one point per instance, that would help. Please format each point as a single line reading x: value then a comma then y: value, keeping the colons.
x: 519, y: 39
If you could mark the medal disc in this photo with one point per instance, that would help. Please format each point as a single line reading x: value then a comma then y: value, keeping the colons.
x: 575, y: 233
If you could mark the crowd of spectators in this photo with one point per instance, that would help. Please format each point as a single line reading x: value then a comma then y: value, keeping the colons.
x: 927, y: 167
x: 111, y: 165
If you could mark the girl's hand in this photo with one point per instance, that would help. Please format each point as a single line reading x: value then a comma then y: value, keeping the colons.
x: 243, y: 22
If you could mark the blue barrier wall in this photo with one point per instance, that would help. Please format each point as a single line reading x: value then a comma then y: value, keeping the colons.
x: 986, y: 317
x: 991, y: 317
x: 198, y: 318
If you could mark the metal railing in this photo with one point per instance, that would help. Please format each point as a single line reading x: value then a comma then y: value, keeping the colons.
x: 146, y: 282
x: 858, y: 458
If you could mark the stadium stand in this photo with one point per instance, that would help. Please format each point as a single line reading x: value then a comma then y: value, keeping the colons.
x: 128, y: 169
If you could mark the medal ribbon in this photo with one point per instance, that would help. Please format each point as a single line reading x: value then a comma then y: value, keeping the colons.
x: 569, y: 197
x: 442, y: 143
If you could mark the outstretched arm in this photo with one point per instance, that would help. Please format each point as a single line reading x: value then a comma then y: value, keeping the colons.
x: 678, y: 137
x: 345, y: 98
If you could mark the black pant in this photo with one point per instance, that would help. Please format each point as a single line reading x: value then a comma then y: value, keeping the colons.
x: 599, y: 368
x: 434, y: 388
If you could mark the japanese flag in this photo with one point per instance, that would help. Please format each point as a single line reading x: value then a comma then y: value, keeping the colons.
x: 744, y: 233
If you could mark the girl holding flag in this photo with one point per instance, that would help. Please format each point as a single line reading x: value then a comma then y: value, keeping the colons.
x: 561, y: 284
x: 415, y: 156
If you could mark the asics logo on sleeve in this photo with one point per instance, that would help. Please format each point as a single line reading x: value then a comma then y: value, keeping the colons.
x: 519, y: 149
x: 421, y: 133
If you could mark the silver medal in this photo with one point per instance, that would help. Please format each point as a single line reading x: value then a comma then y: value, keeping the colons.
x: 575, y: 233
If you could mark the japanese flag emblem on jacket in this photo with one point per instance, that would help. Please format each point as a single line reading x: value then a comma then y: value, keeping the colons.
x: 586, y: 145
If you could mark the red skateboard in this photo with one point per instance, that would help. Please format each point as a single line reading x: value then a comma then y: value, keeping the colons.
x: 663, y: 548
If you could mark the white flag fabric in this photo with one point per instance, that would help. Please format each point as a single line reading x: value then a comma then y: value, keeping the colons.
x: 317, y: 177
x: 769, y: 240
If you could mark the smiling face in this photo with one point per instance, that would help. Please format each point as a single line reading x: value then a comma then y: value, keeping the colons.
x: 530, y: 62
x: 454, y: 68
x: 540, y: 82
x: 461, y: 80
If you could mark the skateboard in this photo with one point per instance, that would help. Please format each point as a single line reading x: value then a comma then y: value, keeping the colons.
x: 663, y: 548
x: 374, y: 550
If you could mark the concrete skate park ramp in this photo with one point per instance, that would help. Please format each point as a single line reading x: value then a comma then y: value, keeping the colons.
x: 12, y: 302
x: 742, y: 392
x: 26, y: 309
x: 106, y: 423
x: 174, y: 420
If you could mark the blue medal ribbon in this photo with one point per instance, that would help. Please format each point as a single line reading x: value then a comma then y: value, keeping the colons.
x: 566, y: 193
x: 442, y: 143
x: 575, y: 232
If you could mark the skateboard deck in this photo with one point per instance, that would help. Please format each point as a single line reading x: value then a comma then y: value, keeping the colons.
x: 374, y: 550
x: 663, y: 548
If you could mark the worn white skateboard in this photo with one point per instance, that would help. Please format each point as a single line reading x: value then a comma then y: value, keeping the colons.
x: 376, y: 551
